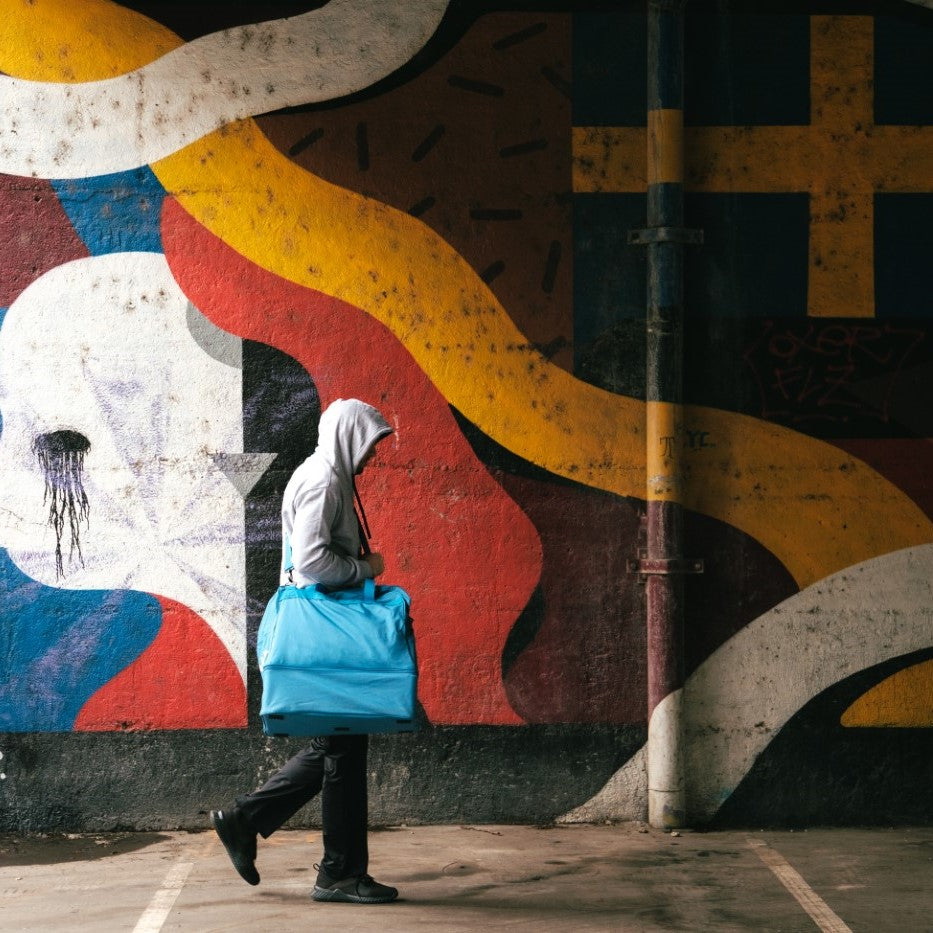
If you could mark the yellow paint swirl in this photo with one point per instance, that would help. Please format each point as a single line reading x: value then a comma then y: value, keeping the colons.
x: 902, y: 701
x: 817, y: 509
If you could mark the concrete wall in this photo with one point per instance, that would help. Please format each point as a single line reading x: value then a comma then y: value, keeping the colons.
x: 210, y: 228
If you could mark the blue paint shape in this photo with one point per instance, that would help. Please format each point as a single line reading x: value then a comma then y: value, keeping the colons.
x: 58, y: 647
x: 115, y: 213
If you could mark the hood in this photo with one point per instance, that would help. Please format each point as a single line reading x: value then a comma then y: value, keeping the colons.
x: 348, y: 428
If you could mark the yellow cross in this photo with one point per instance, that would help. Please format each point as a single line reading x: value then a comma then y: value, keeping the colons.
x: 841, y: 159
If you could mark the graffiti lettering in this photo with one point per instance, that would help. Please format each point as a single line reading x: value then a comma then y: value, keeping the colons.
x: 697, y: 439
x: 816, y: 371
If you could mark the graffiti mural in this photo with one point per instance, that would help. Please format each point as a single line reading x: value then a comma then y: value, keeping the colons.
x: 234, y: 221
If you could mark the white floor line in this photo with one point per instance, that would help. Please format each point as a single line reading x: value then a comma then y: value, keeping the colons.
x: 820, y: 912
x: 164, y: 899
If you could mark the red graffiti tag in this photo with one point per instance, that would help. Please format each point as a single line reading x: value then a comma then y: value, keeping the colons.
x: 814, y: 371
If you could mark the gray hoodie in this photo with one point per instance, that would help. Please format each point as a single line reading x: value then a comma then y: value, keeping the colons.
x: 317, y: 508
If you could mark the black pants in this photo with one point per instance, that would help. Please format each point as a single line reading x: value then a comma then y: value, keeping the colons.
x: 335, y: 765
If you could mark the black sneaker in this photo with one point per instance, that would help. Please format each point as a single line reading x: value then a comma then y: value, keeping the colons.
x: 239, y: 840
x: 360, y: 889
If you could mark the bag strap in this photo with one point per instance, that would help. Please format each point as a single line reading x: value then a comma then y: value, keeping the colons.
x: 289, y: 563
x: 362, y: 524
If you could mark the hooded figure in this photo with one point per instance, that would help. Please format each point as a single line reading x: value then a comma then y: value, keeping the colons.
x: 319, y: 524
x: 318, y: 519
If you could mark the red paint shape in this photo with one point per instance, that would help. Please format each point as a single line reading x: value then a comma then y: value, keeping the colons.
x: 905, y: 461
x: 454, y: 539
x: 185, y: 679
x: 36, y: 236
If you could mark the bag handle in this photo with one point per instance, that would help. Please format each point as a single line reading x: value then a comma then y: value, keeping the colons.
x: 289, y: 563
x: 369, y: 584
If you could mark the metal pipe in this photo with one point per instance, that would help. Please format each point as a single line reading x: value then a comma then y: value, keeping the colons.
x: 664, y: 397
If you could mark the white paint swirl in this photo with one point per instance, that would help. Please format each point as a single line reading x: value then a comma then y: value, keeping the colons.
x: 746, y: 691
x: 53, y: 130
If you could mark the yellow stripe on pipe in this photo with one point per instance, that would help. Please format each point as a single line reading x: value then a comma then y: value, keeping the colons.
x: 665, y: 146
x: 664, y: 432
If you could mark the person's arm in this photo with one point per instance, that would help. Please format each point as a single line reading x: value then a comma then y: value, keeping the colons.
x: 313, y: 554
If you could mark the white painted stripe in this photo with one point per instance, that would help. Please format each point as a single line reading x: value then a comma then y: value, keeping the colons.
x: 164, y: 899
x: 820, y: 912
x: 53, y: 130
x: 741, y: 696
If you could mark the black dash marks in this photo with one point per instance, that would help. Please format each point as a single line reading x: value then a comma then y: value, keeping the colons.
x: 523, y: 35
x: 533, y: 145
x: 362, y: 146
x: 495, y: 213
x: 476, y: 87
x: 428, y: 143
x: 425, y: 204
x: 305, y: 142
x: 550, y: 267
x: 557, y: 80
x: 492, y: 272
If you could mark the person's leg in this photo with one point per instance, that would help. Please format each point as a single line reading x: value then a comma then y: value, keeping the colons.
x: 344, y: 803
x: 342, y: 874
x: 288, y: 790
x: 266, y: 809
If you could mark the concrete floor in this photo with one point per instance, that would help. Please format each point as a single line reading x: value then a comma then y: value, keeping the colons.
x: 459, y: 878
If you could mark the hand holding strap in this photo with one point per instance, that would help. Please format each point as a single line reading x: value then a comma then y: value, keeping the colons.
x: 369, y: 584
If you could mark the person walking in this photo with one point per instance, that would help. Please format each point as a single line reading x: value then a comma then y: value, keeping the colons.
x: 321, y: 527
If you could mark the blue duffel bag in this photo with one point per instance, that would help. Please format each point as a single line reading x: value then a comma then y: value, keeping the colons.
x: 339, y: 661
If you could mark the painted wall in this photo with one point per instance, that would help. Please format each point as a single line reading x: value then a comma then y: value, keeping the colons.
x: 211, y: 227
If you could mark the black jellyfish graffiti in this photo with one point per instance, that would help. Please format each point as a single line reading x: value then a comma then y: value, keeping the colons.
x: 61, y: 456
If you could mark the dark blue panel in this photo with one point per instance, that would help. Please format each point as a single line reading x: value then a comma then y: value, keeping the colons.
x: 609, y: 275
x: 609, y: 69
x: 904, y: 69
x: 610, y: 292
x: 754, y: 257
x: 739, y: 69
x: 903, y: 255
x: 746, y: 69
x: 115, y: 213
x: 58, y: 647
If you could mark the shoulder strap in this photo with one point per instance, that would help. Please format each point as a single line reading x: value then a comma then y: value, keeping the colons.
x: 289, y: 563
x: 362, y: 524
